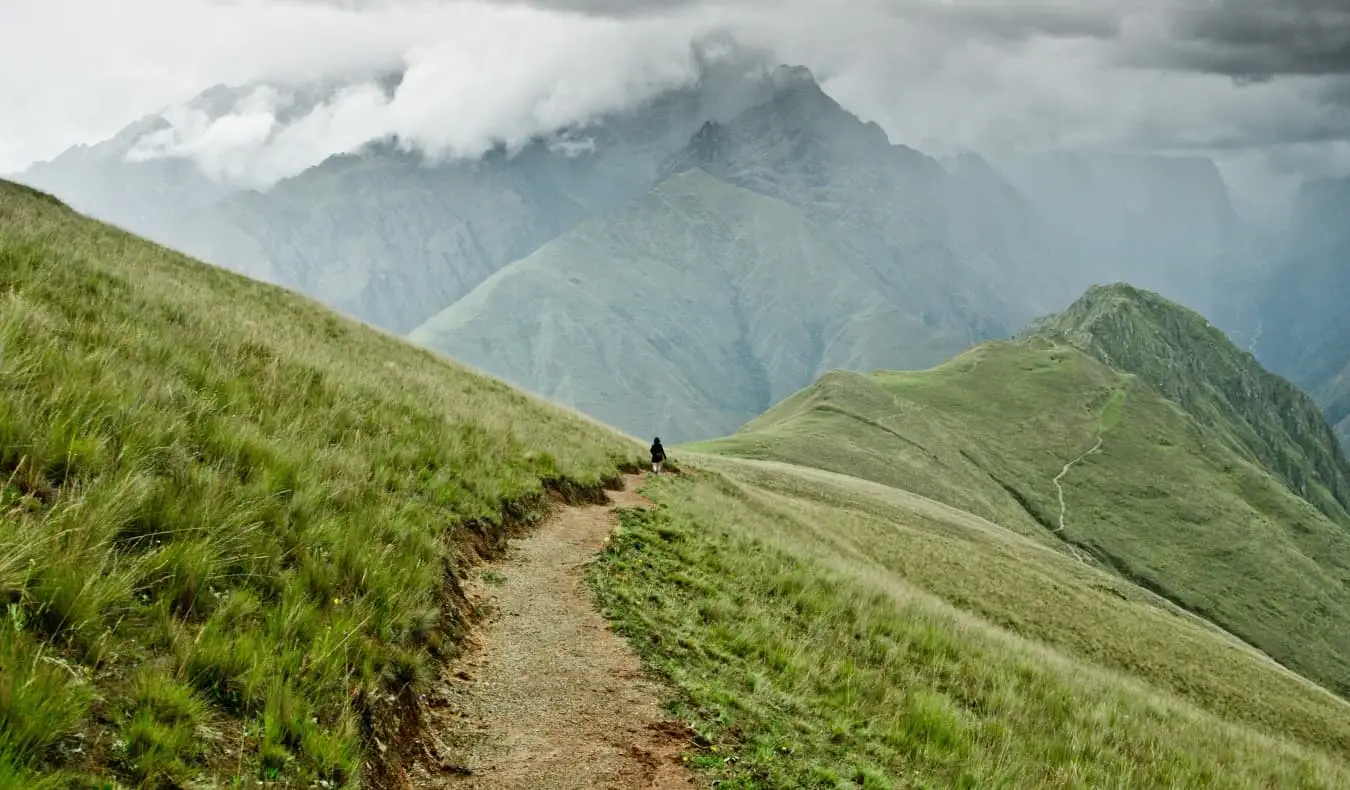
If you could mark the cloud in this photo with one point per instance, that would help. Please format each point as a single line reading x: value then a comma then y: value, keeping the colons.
x: 1210, y: 75
x: 1259, y: 39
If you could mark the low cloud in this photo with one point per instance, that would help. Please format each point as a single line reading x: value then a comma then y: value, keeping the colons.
x: 1234, y: 77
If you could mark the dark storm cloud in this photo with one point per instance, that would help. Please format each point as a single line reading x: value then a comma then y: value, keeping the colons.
x: 1016, y: 21
x: 1256, y: 39
x: 995, y: 19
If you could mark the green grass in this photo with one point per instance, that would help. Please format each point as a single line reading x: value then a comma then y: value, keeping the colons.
x: 1263, y: 417
x: 227, y: 515
x: 1165, y: 502
x: 824, y: 632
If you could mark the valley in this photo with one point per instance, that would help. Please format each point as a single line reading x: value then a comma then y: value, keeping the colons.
x: 1007, y: 469
x: 869, y: 584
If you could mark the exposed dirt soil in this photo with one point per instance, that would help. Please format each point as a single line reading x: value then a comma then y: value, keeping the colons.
x: 547, y: 696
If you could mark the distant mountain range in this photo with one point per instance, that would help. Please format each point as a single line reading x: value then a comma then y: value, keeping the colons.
x: 805, y: 238
x: 1305, y: 301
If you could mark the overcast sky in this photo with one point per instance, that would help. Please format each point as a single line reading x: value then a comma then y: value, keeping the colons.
x: 1263, y: 85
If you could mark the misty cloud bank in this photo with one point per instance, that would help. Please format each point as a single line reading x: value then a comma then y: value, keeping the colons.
x: 1263, y: 86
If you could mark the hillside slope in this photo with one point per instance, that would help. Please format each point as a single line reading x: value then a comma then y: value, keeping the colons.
x: 1303, y: 302
x: 962, y: 256
x: 231, y: 521
x: 684, y: 314
x: 1043, y: 439
x: 1187, y: 359
x: 827, y: 632
x: 234, y: 526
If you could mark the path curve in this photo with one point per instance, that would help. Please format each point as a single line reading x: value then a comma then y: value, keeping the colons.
x: 1062, y: 507
x: 549, y: 698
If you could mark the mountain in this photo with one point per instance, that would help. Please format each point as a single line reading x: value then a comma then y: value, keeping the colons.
x: 953, y: 248
x: 1183, y: 356
x: 958, y: 251
x: 1302, y: 301
x: 952, y: 251
x: 239, y: 533
x: 684, y: 314
x: 143, y: 196
x: 391, y: 236
x: 819, y: 243
x: 1049, y: 439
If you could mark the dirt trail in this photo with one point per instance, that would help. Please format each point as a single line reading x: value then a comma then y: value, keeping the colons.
x: 549, y: 697
x: 1063, y: 509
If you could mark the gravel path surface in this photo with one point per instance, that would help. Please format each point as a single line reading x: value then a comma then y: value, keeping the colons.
x: 550, y: 697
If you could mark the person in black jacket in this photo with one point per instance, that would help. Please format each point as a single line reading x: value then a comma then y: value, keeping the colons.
x: 658, y: 456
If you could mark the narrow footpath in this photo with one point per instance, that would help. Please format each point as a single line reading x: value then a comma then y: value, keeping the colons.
x: 1063, y: 509
x: 548, y: 697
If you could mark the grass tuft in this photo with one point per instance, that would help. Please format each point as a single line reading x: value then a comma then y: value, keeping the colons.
x: 827, y: 633
x: 226, y: 514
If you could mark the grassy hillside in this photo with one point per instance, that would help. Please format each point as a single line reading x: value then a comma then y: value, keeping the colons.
x: 1049, y: 442
x: 826, y: 632
x: 230, y: 520
x: 1182, y: 356
x: 684, y: 314
x: 231, y: 526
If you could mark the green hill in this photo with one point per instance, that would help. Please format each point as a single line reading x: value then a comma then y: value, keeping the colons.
x: 684, y: 314
x: 826, y: 632
x: 1191, y: 362
x: 1043, y: 439
x: 233, y: 527
x: 230, y: 521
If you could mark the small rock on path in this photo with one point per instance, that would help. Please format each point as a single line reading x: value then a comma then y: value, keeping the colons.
x: 550, y: 698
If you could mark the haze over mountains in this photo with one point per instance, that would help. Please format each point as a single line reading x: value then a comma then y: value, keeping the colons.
x: 282, y: 506
x: 578, y: 254
x: 1016, y: 466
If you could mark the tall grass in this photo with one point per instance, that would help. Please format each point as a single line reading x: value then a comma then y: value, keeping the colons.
x: 809, y: 653
x: 227, y: 515
x: 1166, y: 502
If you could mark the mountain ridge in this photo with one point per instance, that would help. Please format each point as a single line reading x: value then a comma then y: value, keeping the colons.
x: 231, y: 511
x: 626, y: 311
x: 1042, y: 436
x: 1185, y: 357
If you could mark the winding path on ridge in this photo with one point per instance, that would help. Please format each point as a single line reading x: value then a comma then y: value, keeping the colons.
x: 548, y: 697
x: 1060, y: 488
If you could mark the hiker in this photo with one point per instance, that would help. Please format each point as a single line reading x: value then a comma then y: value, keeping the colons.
x: 658, y: 456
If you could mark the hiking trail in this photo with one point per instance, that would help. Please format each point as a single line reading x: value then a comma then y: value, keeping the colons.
x: 547, y: 697
x: 1062, y: 507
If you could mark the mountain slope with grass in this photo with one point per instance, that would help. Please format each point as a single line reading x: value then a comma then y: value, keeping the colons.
x: 1045, y: 440
x: 1190, y: 361
x: 826, y: 632
x: 231, y: 522
x: 685, y: 314
x: 234, y: 529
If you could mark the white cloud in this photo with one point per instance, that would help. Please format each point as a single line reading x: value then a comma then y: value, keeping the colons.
x: 1035, y: 73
